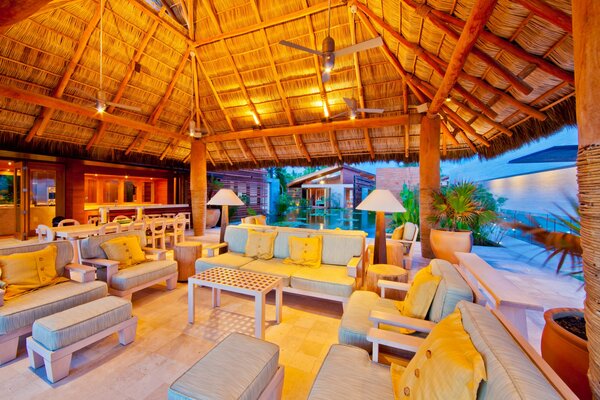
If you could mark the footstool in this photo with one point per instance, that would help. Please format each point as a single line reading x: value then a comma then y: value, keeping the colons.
x: 55, y: 337
x: 388, y: 272
x: 240, y: 367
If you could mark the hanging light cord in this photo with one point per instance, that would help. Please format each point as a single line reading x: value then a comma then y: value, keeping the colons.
x: 101, y: 30
x: 329, y: 18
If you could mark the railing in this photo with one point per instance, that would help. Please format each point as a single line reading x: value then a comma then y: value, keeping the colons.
x: 543, y: 220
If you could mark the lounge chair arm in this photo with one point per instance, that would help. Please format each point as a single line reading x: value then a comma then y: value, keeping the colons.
x: 100, y: 262
x: 353, y: 266
x: 159, y: 253
x: 385, y: 284
x: 81, y: 273
x: 382, y: 317
x: 392, y: 339
x: 2, y: 292
x: 210, y: 249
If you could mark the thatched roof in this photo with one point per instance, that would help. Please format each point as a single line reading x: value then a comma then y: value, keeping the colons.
x: 515, y: 86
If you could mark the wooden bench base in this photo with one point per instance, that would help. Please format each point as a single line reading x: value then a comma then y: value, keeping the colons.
x: 58, y: 362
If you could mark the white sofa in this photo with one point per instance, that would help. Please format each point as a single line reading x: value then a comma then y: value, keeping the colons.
x: 340, y: 273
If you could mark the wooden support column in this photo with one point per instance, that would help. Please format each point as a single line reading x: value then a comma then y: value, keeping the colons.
x: 198, y: 186
x: 586, y: 30
x: 13, y: 11
x: 429, y: 176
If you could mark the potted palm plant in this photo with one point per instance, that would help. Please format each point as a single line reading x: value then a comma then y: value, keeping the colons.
x: 564, y: 340
x: 457, y: 207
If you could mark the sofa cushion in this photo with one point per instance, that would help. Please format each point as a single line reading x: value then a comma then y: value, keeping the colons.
x: 90, y: 246
x: 226, y: 260
x: 510, y: 372
x: 64, y: 252
x: 348, y: 373
x: 355, y: 322
x: 282, y: 242
x: 260, y: 244
x: 339, y: 248
x: 420, y: 294
x: 327, y: 279
x: 305, y: 251
x: 273, y: 266
x: 70, y: 326
x: 240, y: 367
x: 450, y: 291
x: 23, y: 310
x: 236, y: 238
x: 142, y: 273
x: 125, y: 249
x: 409, y: 231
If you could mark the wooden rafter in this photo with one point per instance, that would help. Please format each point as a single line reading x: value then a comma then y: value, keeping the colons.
x: 67, y: 106
x: 13, y: 11
x: 270, y: 148
x: 153, y: 120
x: 405, y: 109
x: 128, y: 74
x: 549, y: 13
x: 439, y: 17
x: 41, y: 122
x: 317, y: 127
x: 175, y: 142
x: 305, y: 11
x: 361, y: 94
x: 246, y: 150
x: 223, y: 152
x: 168, y: 23
x: 335, y: 145
x: 301, y: 147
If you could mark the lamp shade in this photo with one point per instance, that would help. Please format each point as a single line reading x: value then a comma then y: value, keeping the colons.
x: 381, y: 200
x: 225, y: 197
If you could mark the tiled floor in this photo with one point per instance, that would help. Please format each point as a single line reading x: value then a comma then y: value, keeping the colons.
x: 166, y: 345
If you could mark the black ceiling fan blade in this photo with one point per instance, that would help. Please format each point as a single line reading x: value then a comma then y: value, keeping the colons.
x: 367, y: 44
x: 302, y: 48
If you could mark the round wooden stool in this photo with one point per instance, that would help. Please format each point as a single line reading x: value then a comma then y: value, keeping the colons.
x: 186, y: 254
x: 387, y: 272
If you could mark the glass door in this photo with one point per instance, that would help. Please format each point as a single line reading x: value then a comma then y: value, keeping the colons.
x: 21, y: 193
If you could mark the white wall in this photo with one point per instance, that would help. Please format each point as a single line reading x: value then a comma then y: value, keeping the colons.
x: 538, y: 192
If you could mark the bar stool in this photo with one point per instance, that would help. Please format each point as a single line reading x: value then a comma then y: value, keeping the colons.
x: 68, y: 222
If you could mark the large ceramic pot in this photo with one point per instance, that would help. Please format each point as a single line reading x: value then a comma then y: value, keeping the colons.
x: 212, y: 217
x: 565, y: 352
x: 445, y: 243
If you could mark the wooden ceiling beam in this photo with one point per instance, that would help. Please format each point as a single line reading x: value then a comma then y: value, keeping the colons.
x: 446, y: 132
x: 59, y: 104
x: 175, y: 142
x: 463, y: 136
x: 549, y: 13
x: 301, y: 147
x: 42, y: 120
x: 306, y: 11
x: 246, y: 150
x: 335, y: 145
x: 318, y: 127
x: 439, y: 17
x: 270, y: 148
x: 128, y: 74
x: 13, y: 11
x: 223, y: 152
x: 168, y: 23
x: 361, y: 94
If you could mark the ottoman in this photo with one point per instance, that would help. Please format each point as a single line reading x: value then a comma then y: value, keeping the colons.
x: 55, y: 337
x: 240, y: 367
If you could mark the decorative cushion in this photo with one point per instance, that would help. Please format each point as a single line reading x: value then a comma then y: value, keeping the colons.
x: 398, y: 233
x: 260, y: 244
x: 450, y: 291
x: 409, y: 231
x: 420, y: 294
x: 446, y: 366
x: 305, y: 251
x: 125, y: 249
x: 282, y: 241
x: 142, y: 273
x: 338, y: 248
x: 24, y: 272
x: 260, y: 220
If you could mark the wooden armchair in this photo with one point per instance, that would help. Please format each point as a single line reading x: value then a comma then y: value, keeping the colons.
x: 403, y: 240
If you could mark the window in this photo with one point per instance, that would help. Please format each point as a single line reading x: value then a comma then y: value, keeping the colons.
x: 111, y: 191
x: 7, y: 194
x: 130, y: 192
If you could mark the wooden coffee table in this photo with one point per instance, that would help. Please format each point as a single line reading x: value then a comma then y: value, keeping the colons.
x: 244, y: 282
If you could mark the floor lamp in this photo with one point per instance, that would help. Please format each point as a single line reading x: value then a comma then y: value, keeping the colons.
x: 381, y: 201
x: 224, y: 198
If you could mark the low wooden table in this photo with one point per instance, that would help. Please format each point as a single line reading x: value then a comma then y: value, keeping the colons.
x: 388, y: 272
x: 186, y: 254
x: 244, y: 282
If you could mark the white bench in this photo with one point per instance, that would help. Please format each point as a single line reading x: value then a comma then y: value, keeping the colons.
x: 56, y: 337
x: 500, y: 293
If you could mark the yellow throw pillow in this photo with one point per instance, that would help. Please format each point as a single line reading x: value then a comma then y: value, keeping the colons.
x: 398, y: 233
x: 446, y: 366
x: 24, y: 272
x: 125, y: 249
x: 305, y: 251
x: 260, y: 244
x: 420, y: 294
x: 260, y: 220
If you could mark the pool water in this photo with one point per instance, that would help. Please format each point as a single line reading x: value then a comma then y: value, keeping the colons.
x: 330, y: 218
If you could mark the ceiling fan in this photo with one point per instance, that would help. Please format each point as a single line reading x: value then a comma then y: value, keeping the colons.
x: 353, y: 109
x: 196, y: 132
x: 328, y: 52
x: 100, y: 102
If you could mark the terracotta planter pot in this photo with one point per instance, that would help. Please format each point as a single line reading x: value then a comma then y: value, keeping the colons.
x: 445, y: 243
x: 565, y: 352
x: 212, y: 217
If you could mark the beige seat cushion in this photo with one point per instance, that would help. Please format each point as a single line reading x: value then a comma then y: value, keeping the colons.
x: 140, y: 274
x: 273, y: 266
x: 327, y: 279
x: 227, y: 260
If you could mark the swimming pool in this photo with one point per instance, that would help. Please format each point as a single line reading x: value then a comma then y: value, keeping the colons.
x: 327, y: 218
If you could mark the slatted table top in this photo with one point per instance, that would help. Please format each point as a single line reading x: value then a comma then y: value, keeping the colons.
x: 235, y: 279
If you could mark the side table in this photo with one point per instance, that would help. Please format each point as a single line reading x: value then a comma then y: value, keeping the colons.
x: 186, y: 254
x: 387, y: 272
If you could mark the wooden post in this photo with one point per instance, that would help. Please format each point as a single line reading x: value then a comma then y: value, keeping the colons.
x: 198, y: 186
x: 586, y: 30
x: 429, y: 176
x: 380, y: 250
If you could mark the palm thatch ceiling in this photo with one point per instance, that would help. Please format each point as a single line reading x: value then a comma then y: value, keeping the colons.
x: 222, y: 61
